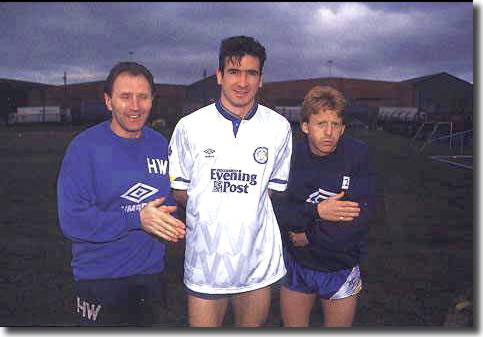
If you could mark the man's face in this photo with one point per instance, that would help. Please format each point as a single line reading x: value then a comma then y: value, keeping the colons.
x: 323, y: 131
x: 239, y: 84
x: 130, y: 103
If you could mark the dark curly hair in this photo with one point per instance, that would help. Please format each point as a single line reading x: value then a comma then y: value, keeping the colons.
x: 234, y: 48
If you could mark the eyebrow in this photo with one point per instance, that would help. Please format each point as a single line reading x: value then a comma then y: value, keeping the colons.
x: 331, y: 122
x: 247, y: 70
x: 124, y: 93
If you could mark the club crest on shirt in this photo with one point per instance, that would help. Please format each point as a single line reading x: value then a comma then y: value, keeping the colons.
x: 261, y: 155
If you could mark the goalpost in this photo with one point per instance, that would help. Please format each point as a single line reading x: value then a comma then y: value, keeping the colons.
x: 430, y: 139
x: 455, y: 156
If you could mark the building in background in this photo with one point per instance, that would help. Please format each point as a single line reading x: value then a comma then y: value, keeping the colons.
x: 15, y: 93
x: 444, y: 97
x: 86, y: 100
x: 439, y: 96
x: 364, y: 96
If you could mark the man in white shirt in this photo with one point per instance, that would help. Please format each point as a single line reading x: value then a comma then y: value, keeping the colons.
x: 224, y: 158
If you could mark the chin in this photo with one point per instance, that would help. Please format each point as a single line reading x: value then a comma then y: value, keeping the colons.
x: 136, y: 124
x: 326, y: 150
x: 240, y: 103
x: 244, y: 99
x: 133, y: 128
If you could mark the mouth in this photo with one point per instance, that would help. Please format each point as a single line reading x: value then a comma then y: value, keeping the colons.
x: 326, y: 143
x: 134, y: 117
x: 240, y: 93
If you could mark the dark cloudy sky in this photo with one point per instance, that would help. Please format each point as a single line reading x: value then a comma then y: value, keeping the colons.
x: 381, y: 41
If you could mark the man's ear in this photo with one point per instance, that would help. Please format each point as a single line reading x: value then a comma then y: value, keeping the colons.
x: 304, y: 127
x: 108, y: 101
x: 219, y: 76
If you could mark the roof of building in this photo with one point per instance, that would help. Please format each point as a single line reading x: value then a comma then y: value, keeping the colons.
x: 296, y: 89
x: 417, y: 80
x: 208, y: 78
x: 21, y: 83
x: 319, y: 79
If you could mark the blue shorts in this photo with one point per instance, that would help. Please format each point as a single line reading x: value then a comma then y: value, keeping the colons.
x: 137, y: 300
x: 329, y: 286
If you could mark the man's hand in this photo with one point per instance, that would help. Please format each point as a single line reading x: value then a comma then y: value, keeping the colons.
x: 298, y: 239
x: 333, y: 209
x: 157, y: 220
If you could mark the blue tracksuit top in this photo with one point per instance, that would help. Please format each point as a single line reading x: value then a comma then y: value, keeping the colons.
x: 103, y: 183
x: 332, y: 245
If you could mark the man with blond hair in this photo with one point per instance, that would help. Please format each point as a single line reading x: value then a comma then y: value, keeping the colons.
x: 323, y: 215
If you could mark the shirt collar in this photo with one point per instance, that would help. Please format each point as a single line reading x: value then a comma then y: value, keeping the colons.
x: 231, y: 116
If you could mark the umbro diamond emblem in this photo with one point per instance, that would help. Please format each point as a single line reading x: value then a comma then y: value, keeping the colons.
x: 209, y: 151
x: 139, y: 192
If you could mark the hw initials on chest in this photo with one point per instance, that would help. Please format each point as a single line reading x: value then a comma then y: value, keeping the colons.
x: 157, y: 166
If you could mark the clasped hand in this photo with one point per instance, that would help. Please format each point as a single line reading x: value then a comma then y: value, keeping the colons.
x: 331, y: 209
x: 334, y: 209
x: 157, y: 220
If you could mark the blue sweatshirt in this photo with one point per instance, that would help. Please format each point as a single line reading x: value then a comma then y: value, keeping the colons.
x: 104, y: 182
x: 333, y: 245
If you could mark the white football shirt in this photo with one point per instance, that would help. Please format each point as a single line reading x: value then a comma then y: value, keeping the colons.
x: 233, y: 242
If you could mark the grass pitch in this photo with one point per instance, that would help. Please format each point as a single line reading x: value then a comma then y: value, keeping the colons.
x: 420, y: 245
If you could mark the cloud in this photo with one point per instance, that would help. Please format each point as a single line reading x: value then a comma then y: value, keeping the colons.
x: 390, y: 41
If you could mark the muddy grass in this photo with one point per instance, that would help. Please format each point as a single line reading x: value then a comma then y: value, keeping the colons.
x: 420, y: 261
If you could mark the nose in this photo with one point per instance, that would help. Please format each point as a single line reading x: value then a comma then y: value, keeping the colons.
x: 328, y: 130
x: 134, y: 103
x: 243, y: 80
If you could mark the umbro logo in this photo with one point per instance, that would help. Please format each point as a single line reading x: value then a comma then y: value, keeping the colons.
x: 318, y: 196
x: 139, y: 192
x: 209, y: 153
